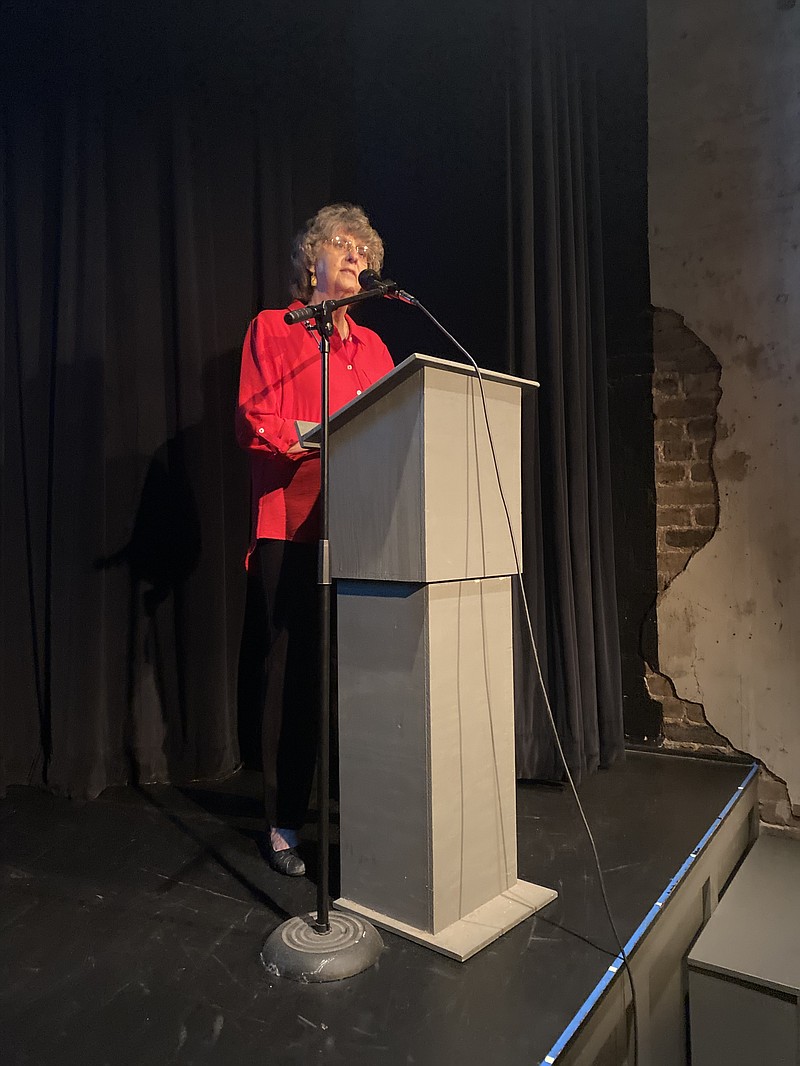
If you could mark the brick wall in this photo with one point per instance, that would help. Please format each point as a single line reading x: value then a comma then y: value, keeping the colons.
x: 685, y: 396
x: 686, y: 391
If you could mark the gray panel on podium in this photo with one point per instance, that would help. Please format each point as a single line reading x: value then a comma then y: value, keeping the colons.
x: 383, y: 749
x: 411, y: 457
x: 428, y: 827
x: 427, y: 789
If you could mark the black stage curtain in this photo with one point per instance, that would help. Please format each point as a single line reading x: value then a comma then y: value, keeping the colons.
x: 556, y: 308
x: 151, y: 186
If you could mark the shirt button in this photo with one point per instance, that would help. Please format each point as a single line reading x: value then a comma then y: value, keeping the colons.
x: 349, y: 366
x: 260, y: 430
x: 358, y: 392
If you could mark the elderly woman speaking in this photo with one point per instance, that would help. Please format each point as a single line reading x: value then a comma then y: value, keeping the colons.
x: 279, y: 384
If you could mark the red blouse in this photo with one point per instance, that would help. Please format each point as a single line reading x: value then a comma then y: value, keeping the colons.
x: 280, y: 383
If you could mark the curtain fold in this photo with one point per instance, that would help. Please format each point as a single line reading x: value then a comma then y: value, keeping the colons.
x: 135, y: 252
x: 555, y: 268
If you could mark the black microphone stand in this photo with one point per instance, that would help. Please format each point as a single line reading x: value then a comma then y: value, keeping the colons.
x: 315, y: 948
x: 324, y: 326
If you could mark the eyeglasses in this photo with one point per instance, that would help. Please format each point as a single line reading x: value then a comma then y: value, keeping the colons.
x: 341, y: 244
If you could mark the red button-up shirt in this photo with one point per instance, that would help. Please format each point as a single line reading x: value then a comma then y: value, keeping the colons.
x: 280, y: 383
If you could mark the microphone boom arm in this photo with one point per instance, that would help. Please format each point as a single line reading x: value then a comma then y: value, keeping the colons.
x: 327, y: 307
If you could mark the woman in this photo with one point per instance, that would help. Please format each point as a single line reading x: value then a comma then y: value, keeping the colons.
x: 280, y: 383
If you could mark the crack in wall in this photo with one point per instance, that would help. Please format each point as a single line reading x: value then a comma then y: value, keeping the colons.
x: 686, y: 725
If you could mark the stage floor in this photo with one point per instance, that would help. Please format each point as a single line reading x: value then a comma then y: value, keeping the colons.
x: 130, y: 929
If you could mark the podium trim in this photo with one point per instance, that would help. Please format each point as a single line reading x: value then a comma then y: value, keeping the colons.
x: 412, y: 365
x: 467, y: 936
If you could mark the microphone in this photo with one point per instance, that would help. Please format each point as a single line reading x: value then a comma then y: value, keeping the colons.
x: 372, y: 284
x: 370, y: 280
x: 300, y: 314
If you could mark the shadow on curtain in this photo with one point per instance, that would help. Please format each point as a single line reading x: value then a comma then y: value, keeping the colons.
x: 139, y: 240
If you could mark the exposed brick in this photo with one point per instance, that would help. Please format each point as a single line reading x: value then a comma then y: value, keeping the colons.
x: 667, y: 323
x: 695, y: 712
x: 668, y: 473
x: 696, y: 749
x: 666, y: 430
x: 697, y: 359
x: 668, y: 343
x: 687, y: 358
x: 666, y: 358
x: 776, y: 814
x: 708, y: 382
x: 700, y: 428
x: 702, y: 735
x: 678, y: 407
x: 671, y: 563
x: 666, y: 390
x: 686, y: 393
x: 705, y: 516
x: 701, y: 472
x: 687, y: 494
x: 770, y: 787
x: 775, y: 807
x: 662, y: 376
x: 677, y: 449
x: 657, y: 684
x: 687, y: 538
x: 673, y: 516
x: 673, y: 708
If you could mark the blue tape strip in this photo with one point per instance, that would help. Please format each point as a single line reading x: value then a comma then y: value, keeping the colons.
x: 649, y: 918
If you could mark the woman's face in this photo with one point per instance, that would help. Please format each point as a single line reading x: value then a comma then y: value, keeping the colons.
x: 340, y: 259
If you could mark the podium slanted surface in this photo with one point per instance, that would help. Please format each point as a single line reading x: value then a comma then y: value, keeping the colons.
x: 422, y: 554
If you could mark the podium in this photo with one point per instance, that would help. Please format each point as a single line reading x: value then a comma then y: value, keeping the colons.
x: 423, y: 559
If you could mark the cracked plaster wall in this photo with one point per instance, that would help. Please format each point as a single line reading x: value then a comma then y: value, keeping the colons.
x: 724, y: 219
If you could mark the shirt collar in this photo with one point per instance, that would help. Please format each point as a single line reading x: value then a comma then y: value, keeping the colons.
x: 356, y: 330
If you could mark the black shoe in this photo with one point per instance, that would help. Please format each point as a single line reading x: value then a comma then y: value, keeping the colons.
x: 286, y: 862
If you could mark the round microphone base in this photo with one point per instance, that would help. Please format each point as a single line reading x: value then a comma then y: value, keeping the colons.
x: 299, y: 951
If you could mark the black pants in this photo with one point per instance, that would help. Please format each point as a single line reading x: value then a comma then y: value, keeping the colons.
x: 290, y: 727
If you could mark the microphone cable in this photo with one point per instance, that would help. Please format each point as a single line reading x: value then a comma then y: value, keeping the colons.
x: 393, y: 292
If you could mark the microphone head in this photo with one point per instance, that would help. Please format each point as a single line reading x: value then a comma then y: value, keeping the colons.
x: 369, y: 279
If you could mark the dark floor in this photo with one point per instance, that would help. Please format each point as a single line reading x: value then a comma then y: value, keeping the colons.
x: 130, y: 929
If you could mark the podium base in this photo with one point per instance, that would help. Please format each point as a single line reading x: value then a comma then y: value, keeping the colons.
x: 465, y: 937
x: 298, y: 951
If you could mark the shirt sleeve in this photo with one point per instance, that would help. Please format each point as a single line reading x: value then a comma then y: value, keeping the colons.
x: 260, y: 426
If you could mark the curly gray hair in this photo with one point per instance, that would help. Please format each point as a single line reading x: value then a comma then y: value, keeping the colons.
x: 328, y: 221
